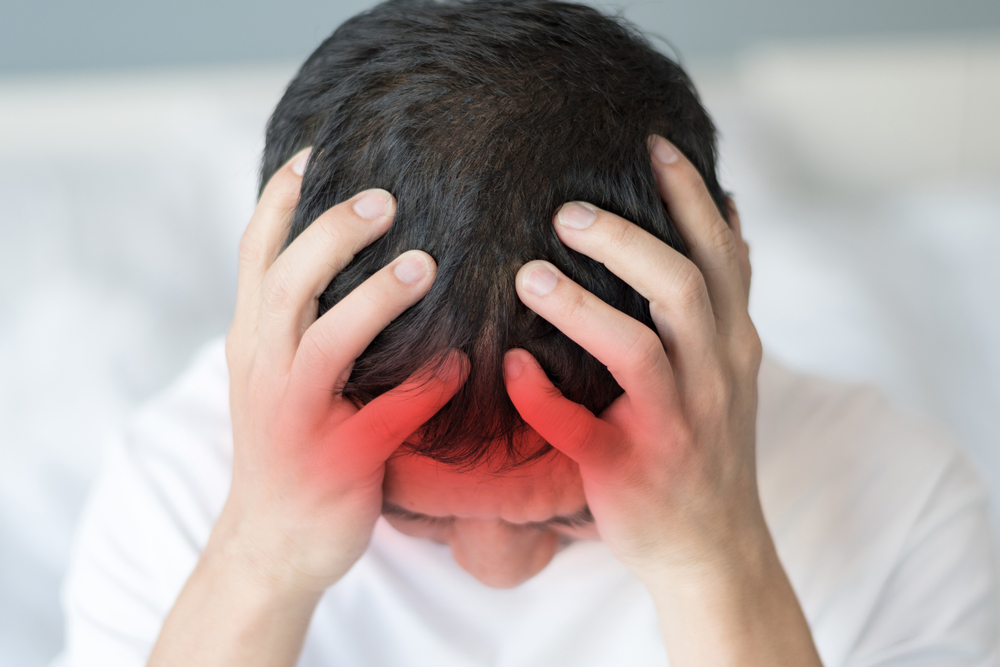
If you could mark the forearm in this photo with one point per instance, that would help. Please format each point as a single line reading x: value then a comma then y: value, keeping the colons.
x: 231, y: 613
x: 739, y: 612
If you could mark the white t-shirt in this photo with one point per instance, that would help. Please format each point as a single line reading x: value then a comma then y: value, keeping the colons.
x: 880, y: 522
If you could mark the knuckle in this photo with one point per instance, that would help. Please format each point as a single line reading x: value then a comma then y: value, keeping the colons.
x: 249, y: 249
x: 621, y: 234
x: 257, y: 385
x: 280, y: 195
x: 645, y: 350
x: 718, y: 391
x: 749, y: 350
x: 331, y: 230
x: 688, y: 177
x: 319, y: 346
x: 276, y: 291
x: 376, y: 294
x: 286, y: 199
x: 575, y: 305
x: 241, y: 361
x: 683, y: 433
x: 721, y: 240
x: 689, y: 286
x: 381, y: 424
x: 578, y: 426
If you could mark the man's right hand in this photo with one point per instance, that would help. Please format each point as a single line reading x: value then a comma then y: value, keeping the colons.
x: 307, y: 463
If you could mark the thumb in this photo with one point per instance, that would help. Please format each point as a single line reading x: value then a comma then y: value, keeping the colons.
x: 567, y: 426
x: 373, y: 433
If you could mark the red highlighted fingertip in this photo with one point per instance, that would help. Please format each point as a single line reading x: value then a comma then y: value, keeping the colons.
x: 513, y: 365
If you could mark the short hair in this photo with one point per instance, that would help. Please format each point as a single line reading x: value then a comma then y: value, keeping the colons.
x: 482, y: 118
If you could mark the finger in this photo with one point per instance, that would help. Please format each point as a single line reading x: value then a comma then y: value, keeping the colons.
x: 709, y: 239
x: 299, y: 275
x: 567, y: 426
x: 678, y: 298
x: 633, y: 353
x: 372, y: 434
x: 330, y: 346
x: 746, y: 272
x: 263, y: 237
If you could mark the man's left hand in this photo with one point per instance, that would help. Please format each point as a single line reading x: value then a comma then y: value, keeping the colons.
x: 669, y: 468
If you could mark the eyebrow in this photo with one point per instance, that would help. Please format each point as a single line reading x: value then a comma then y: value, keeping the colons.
x: 579, y: 518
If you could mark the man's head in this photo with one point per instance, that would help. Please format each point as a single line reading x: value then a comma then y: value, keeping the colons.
x: 482, y: 118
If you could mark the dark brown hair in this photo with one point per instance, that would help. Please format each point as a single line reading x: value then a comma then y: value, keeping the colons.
x: 482, y: 118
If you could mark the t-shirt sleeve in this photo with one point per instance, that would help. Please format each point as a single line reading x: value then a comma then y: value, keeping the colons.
x: 939, y: 606
x: 146, y: 521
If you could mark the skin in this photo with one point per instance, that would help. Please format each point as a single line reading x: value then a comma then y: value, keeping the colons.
x: 667, y: 471
x: 494, y: 523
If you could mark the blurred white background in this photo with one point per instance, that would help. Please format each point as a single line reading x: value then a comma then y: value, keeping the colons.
x: 860, y: 141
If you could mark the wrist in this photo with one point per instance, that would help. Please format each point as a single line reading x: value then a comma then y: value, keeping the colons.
x: 735, y: 608
x: 269, y: 559
x: 740, y: 561
x: 231, y: 611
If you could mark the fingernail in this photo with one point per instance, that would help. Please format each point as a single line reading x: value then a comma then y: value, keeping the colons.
x: 299, y: 167
x: 576, y: 215
x: 513, y: 366
x: 540, y: 281
x: 664, y: 151
x: 411, y: 269
x: 373, y: 205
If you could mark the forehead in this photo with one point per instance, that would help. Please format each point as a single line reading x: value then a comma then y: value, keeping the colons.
x: 547, y: 487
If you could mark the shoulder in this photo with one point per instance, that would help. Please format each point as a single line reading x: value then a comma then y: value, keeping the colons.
x: 178, y: 447
x: 148, y: 516
x: 193, y: 410
x: 880, y: 520
x: 823, y: 439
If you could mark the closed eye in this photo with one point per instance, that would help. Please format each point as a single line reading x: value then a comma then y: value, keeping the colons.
x: 400, y: 513
x: 580, y: 519
x: 433, y: 520
x: 576, y: 521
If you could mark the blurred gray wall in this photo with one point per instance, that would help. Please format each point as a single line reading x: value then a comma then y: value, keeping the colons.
x: 67, y: 35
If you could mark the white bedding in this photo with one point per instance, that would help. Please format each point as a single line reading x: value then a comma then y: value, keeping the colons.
x: 122, y: 199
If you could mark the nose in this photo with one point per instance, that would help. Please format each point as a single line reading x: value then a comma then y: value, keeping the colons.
x: 499, y: 554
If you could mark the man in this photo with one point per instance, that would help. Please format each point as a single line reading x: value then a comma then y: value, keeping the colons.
x: 510, y: 315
